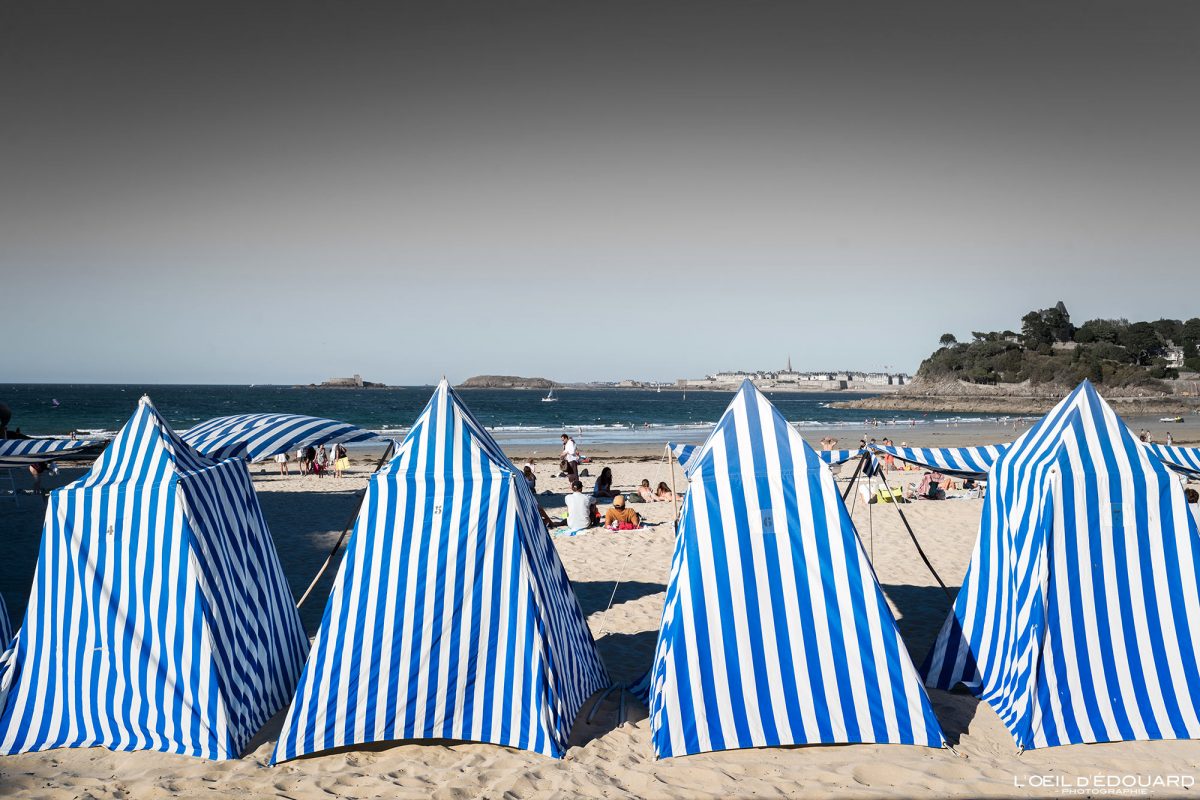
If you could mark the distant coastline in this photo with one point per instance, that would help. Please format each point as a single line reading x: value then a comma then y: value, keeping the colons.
x: 964, y: 398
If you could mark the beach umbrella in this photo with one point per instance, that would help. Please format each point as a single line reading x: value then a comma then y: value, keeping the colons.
x: 255, y: 437
x: 16, y: 453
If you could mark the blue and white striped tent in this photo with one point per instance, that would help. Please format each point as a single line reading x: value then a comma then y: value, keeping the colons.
x: 1079, y: 617
x: 775, y: 630
x: 451, y: 616
x: 15, y: 453
x: 255, y: 437
x: 965, y: 462
x: 1184, y: 460
x: 683, y: 453
x: 159, y: 617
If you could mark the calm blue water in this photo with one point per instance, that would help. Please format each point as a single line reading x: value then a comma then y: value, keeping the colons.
x: 516, y: 416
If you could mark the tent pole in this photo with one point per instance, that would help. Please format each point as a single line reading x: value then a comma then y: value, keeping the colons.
x: 854, y: 477
x: 913, y: 536
x: 674, y: 496
x: 362, y: 493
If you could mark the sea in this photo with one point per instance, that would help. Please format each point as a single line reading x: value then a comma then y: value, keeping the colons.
x: 515, y: 416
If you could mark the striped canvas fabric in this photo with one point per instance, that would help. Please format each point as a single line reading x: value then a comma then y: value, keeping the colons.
x: 255, y: 437
x: 832, y: 457
x: 1079, y: 617
x: 451, y: 616
x: 15, y: 453
x: 774, y: 630
x: 159, y: 617
x: 1184, y: 460
x: 966, y: 462
x: 683, y: 454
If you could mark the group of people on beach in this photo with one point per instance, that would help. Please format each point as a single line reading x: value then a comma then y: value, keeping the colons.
x: 583, y: 508
x: 316, y: 461
x: 1147, y: 437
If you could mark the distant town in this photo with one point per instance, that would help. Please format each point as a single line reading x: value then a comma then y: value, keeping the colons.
x: 783, y: 380
x: 789, y: 380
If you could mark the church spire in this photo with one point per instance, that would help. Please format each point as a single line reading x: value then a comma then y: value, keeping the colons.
x: 789, y: 369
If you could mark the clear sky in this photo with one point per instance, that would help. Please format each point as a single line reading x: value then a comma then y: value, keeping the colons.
x: 233, y: 192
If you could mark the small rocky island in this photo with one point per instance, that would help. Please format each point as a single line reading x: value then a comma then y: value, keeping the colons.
x: 354, y: 382
x: 506, y: 382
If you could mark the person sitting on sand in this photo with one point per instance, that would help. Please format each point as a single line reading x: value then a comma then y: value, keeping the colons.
x: 664, y: 493
x: 530, y: 478
x: 603, y: 487
x: 581, y: 509
x: 645, y: 492
x: 621, y: 518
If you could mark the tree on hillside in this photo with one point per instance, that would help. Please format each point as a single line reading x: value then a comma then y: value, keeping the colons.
x: 1171, y: 330
x: 1100, y: 330
x: 948, y: 340
x: 1045, y: 327
x: 1142, y: 342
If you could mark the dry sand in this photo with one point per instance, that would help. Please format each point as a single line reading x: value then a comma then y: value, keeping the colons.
x: 305, y: 515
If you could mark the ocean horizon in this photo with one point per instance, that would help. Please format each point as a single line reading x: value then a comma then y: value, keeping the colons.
x: 515, y: 416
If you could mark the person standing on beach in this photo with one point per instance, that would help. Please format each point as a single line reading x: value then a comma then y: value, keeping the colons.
x: 341, y: 461
x: 570, y: 459
x: 282, y: 461
x: 322, y: 461
x: 1169, y: 439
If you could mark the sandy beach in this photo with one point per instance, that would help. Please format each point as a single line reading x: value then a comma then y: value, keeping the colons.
x: 607, y: 759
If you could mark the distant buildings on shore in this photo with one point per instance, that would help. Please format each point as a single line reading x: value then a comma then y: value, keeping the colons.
x: 786, y: 380
x: 789, y: 380
x: 355, y: 382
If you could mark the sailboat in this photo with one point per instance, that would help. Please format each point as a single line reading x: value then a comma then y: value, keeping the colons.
x: 550, y: 398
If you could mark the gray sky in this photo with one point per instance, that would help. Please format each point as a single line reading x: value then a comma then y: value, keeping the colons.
x: 580, y: 190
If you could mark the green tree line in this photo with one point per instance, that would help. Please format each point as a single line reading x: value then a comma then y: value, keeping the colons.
x: 1051, y: 349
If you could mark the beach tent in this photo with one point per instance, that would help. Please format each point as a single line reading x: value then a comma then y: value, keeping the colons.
x: 159, y: 617
x: 683, y: 454
x: 256, y: 437
x: 17, y: 453
x: 451, y: 616
x: 775, y: 630
x: 1184, y: 460
x: 1079, y: 618
x: 959, y: 462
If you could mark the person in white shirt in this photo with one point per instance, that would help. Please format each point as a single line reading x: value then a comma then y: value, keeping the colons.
x: 580, y: 515
x: 570, y: 459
